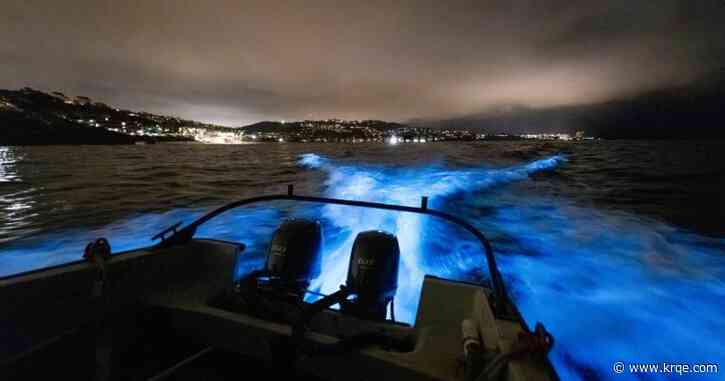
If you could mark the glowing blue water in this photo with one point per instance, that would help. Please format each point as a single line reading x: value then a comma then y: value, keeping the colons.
x: 402, y: 186
x: 609, y: 286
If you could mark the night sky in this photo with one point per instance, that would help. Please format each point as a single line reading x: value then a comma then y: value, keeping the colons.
x: 236, y: 62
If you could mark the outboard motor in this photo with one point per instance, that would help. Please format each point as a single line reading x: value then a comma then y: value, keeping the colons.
x: 372, y: 275
x: 293, y: 258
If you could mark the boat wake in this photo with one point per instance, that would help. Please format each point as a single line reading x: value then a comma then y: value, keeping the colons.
x: 402, y: 186
x: 610, y: 286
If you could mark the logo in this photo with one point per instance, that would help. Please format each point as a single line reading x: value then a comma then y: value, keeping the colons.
x: 366, y: 262
x: 618, y: 367
x: 278, y: 250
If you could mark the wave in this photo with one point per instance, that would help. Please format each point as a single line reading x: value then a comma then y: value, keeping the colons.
x: 610, y: 286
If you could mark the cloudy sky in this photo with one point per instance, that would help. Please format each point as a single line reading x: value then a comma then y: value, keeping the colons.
x: 235, y: 62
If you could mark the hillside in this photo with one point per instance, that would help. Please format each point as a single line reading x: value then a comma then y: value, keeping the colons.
x: 32, y: 117
x: 331, y: 130
x: 289, y: 127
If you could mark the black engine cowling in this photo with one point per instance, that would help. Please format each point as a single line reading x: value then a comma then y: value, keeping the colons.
x: 372, y: 274
x: 294, y: 254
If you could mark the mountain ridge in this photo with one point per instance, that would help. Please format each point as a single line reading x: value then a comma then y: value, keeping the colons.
x: 33, y: 117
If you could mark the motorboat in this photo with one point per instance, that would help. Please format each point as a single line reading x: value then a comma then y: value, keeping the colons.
x: 180, y: 310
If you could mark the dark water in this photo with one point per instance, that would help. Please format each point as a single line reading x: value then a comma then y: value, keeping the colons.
x: 618, y: 247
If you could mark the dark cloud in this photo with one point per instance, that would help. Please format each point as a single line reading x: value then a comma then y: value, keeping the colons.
x: 235, y: 62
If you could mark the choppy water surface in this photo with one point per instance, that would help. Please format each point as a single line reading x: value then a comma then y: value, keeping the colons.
x: 617, y: 247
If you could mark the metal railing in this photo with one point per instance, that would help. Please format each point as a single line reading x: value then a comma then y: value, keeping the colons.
x: 185, y: 234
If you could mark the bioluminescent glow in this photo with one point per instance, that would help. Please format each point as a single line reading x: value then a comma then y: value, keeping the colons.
x: 614, y: 287
x: 609, y: 286
x: 402, y: 187
x: 67, y: 246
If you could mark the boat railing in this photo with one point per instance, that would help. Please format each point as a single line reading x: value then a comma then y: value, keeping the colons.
x: 502, y: 306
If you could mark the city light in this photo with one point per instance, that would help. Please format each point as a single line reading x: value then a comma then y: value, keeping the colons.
x: 209, y: 136
x: 553, y: 136
x: 95, y: 114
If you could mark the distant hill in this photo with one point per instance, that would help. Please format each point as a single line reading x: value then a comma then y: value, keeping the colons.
x: 693, y: 111
x: 270, y: 126
x: 21, y: 129
x: 330, y: 130
x: 291, y: 127
x: 32, y: 117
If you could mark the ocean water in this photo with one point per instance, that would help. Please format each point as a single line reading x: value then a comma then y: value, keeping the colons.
x: 617, y: 247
